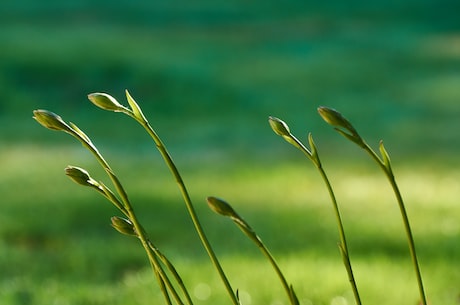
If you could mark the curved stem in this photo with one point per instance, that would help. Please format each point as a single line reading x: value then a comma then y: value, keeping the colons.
x: 173, y: 270
x: 244, y: 226
x: 162, y: 277
x: 405, y: 218
x: 343, y: 243
x: 289, y: 290
x: 163, y: 288
x: 188, y: 202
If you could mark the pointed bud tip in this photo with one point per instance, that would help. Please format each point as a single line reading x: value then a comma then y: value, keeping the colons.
x: 279, y: 126
x: 79, y: 175
x: 335, y: 118
x: 220, y: 206
x: 50, y: 120
x: 105, y: 101
x: 123, y: 225
x: 331, y: 116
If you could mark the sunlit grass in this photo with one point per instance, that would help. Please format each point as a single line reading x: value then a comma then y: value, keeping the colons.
x: 56, y: 250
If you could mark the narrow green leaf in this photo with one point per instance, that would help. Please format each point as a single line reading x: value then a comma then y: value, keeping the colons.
x: 238, y: 297
x: 112, y: 198
x: 293, y: 296
x: 80, y: 133
x: 135, y: 107
x: 385, y: 156
x: 314, y: 152
x: 345, y: 258
x: 351, y: 137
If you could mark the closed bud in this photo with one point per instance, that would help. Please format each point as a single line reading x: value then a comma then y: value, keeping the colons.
x: 279, y: 127
x: 123, y: 225
x: 221, y: 207
x: 78, y: 175
x: 335, y: 118
x: 106, y: 102
x: 282, y: 129
x: 343, y: 126
x: 50, y: 120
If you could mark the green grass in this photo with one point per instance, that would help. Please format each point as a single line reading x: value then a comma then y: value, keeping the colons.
x: 57, y: 245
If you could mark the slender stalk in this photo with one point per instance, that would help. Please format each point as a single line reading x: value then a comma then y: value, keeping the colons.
x: 270, y: 257
x: 164, y: 280
x: 266, y: 252
x: 162, y: 286
x: 223, y: 208
x: 188, y: 202
x: 174, y: 272
x: 346, y: 129
x: 107, y: 102
x: 343, y: 242
x: 282, y: 129
x: 389, y: 174
x: 52, y: 121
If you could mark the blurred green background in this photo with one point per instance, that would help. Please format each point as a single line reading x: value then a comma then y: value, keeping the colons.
x: 208, y: 74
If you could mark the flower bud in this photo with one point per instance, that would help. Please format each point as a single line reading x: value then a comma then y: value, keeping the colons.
x: 106, y: 102
x: 221, y: 207
x: 335, y: 118
x: 80, y: 176
x: 50, y: 120
x: 123, y: 225
x: 279, y: 127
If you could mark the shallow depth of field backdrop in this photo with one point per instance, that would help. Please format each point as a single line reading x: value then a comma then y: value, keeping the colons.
x: 208, y: 74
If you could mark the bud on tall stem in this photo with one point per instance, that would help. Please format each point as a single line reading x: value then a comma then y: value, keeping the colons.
x: 51, y: 120
x: 106, y: 102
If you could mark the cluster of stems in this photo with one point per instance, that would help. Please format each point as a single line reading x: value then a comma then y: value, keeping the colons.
x: 162, y: 267
x: 129, y: 224
x: 282, y: 129
x: 346, y: 129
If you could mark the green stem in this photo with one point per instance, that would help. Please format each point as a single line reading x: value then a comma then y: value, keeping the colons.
x: 174, y: 272
x: 162, y: 286
x: 169, y: 162
x: 343, y: 243
x: 246, y: 228
x: 405, y: 218
x: 163, y: 279
x: 289, y: 291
